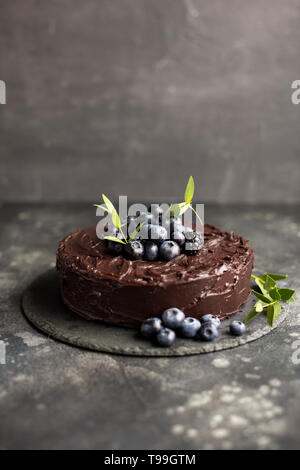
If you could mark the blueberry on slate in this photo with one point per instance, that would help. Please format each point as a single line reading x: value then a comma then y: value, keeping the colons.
x: 237, y: 328
x: 212, y: 319
x: 151, y: 251
x: 169, y: 250
x: 151, y: 327
x: 208, y: 332
x: 115, y: 247
x: 166, y: 337
x: 173, y: 318
x: 189, y: 327
x: 178, y: 237
x: 134, y: 250
x: 193, y: 243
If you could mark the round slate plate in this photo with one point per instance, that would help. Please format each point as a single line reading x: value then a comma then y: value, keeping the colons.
x: 43, y: 307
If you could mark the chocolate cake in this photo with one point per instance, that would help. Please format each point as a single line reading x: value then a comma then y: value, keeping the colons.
x: 99, y: 286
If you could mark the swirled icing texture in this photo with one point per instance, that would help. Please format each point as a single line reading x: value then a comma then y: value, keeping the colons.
x: 100, y: 286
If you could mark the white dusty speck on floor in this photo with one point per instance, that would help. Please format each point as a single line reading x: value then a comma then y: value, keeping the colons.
x: 23, y: 378
x: 216, y: 420
x: 227, y: 398
x: 238, y: 421
x: 275, y: 382
x: 220, y: 433
x: 177, y: 429
x: 191, y: 433
x: 220, y: 363
x: 252, y: 376
x: 31, y: 339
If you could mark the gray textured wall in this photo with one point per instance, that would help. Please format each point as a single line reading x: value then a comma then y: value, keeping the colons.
x: 133, y: 96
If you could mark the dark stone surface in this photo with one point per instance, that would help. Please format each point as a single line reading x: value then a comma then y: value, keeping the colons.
x: 149, y: 92
x: 43, y: 307
x: 55, y: 396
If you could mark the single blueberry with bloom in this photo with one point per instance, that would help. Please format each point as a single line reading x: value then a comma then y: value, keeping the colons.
x: 208, y: 332
x: 151, y: 327
x: 211, y: 318
x: 237, y: 328
x: 169, y: 250
x: 189, y: 327
x: 134, y: 250
x: 166, y: 337
x: 173, y: 318
x: 151, y: 251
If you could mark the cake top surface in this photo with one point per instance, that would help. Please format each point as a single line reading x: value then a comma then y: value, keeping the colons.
x: 222, y: 252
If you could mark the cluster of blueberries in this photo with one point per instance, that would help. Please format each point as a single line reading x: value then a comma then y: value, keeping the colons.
x: 158, y: 238
x: 174, y: 323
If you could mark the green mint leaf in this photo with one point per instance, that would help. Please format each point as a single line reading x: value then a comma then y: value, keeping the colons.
x: 273, y: 312
x: 178, y: 209
x: 183, y: 208
x: 261, y: 286
x: 114, y: 239
x: 274, y: 293
x: 259, y: 306
x: 269, y: 282
x: 189, y: 190
x: 109, y: 204
x: 291, y: 300
x: 115, y: 218
x: 286, y: 294
x: 175, y: 209
x: 252, y: 314
x: 270, y: 314
x: 275, y: 277
x: 261, y: 297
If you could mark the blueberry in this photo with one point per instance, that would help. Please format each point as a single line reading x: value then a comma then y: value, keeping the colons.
x: 237, y: 328
x: 173, y: 223
x: 175, y: 220
x: 194, y: 242
x: 158, y: 233
x: 144, y: 233
x: 187, y: 229
x: 173, y: 318
x: 166, y: 337
x: 153, y: 232
x: 169, y: 250
x: 157, y: 212
x: 146, y: 217
x: 211, y: 319
x: 189, y: 327
x: 151, y: 327
x: 115, y: 247
x: 208, y: 332
x: 151, y: 251
x: 178, y: 237
x: 134, y: 250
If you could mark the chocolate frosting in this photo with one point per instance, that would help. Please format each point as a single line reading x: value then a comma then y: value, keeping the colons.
x: 101, y: 286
